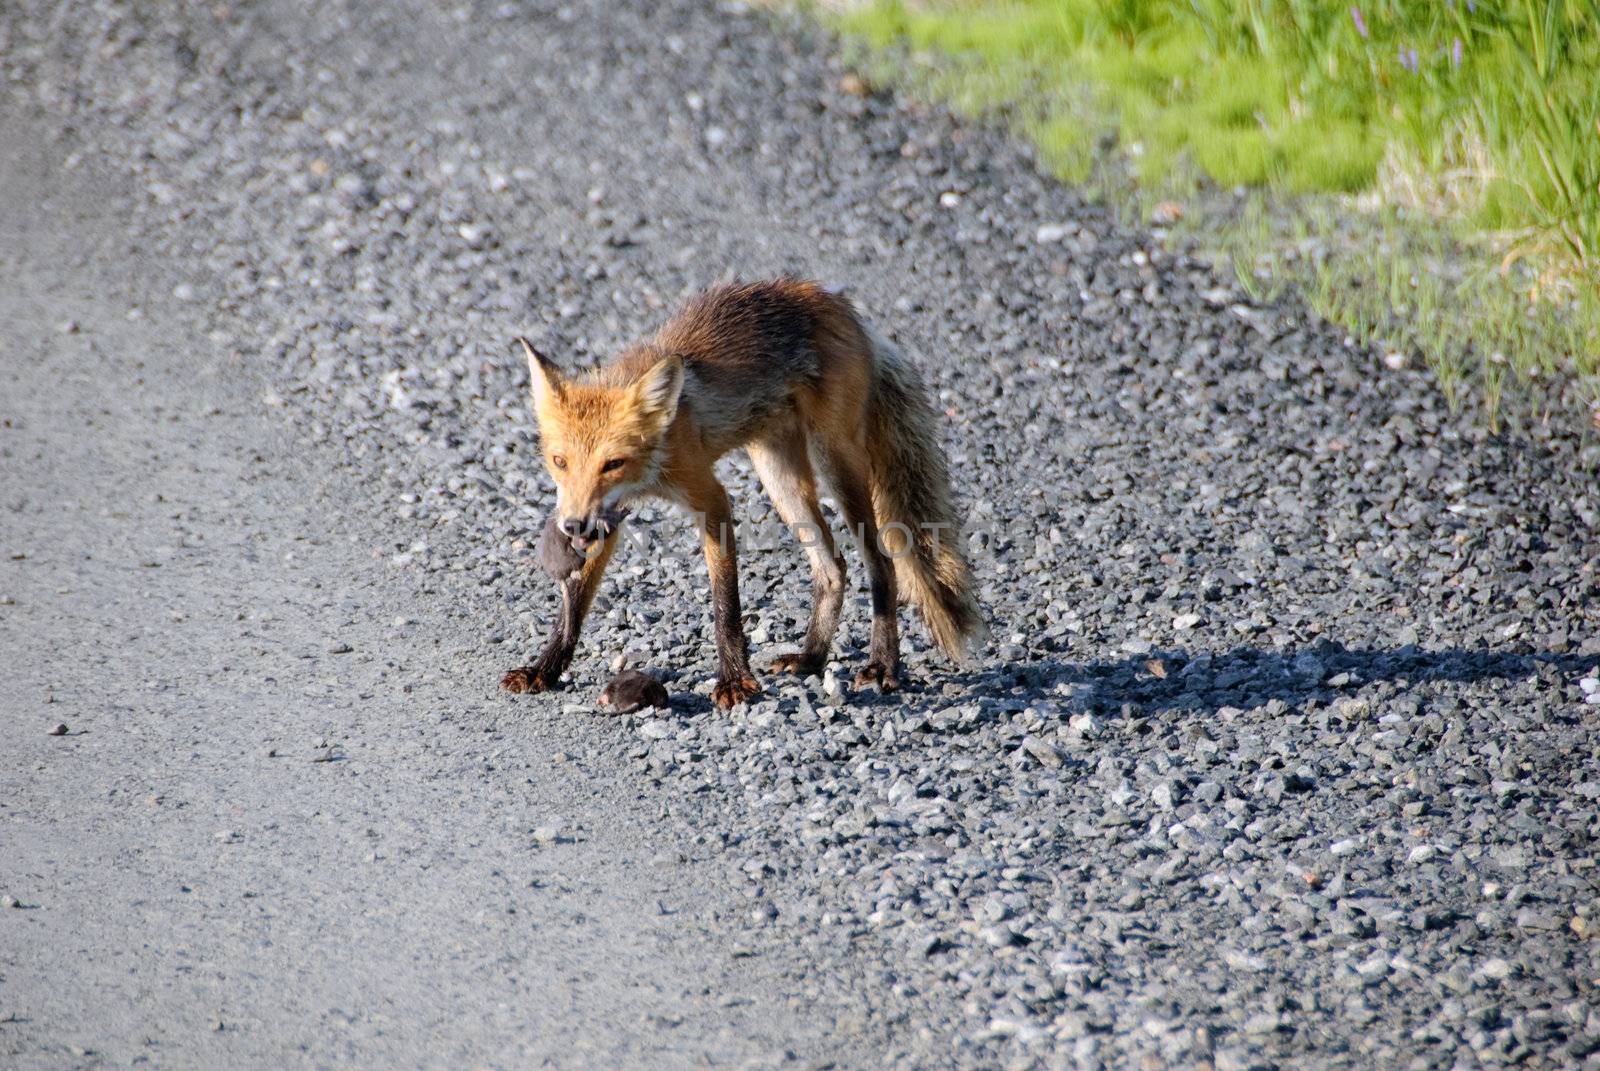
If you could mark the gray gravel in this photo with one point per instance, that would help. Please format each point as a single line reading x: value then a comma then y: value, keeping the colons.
x: 1282, y: 753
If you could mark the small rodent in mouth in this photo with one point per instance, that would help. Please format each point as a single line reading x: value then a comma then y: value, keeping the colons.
x: 630, y: 690
x: 556, y: 553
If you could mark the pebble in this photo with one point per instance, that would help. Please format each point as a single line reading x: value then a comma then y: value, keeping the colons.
x: 1495, y: 969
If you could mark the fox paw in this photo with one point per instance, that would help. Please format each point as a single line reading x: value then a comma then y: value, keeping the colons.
x: 526, y: 679
x: 799, y: 663
x: 887, y: 678
x: 726, y: 693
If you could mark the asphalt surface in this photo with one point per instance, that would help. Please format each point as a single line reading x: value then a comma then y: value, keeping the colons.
x: 274, y: 831
x: 1280, y: 755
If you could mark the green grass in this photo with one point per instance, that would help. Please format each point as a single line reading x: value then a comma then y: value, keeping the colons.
x: 1459, y: 133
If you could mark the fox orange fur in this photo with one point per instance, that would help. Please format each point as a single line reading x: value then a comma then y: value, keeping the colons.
x: 789, y: 372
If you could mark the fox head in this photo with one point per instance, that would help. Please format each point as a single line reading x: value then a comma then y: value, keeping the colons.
x: 602, y: 444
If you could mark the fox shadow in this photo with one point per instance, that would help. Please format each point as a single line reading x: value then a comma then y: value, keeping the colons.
x: 1179, y: 680
x: 1249, y: 677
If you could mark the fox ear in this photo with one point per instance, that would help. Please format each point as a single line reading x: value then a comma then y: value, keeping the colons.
x: 548, y: 382
x: 656, y: 392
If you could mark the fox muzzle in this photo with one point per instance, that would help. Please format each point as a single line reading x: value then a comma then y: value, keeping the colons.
x: 585, y: 531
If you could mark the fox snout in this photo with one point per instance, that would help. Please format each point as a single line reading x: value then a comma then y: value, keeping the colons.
x: 577, y: 527
x: 581, y: 531
x: 585, y: 530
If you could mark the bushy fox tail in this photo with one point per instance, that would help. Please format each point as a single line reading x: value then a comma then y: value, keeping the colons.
x: 918, y: 522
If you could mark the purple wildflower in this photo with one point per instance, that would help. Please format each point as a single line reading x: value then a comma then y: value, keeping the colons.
x: 1361, y: 23
x: 1455, y: 53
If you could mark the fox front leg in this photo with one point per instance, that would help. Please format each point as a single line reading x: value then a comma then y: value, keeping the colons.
x: 577, y: 593
x: 545, y: 671
x: 735, y: 682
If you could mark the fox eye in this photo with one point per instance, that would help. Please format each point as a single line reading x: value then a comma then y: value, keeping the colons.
x: 613, y: 465
x: 558, y: 461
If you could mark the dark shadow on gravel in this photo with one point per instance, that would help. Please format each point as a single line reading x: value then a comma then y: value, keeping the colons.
x: 1247, y: 677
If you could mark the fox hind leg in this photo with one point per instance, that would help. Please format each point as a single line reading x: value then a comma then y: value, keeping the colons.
x: 782, y: 463
x: 847, y: 471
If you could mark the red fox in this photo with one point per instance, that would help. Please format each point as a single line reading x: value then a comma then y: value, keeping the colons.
x: 789, y: 372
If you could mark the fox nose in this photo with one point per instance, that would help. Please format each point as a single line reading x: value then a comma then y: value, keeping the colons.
x: 573, y: 527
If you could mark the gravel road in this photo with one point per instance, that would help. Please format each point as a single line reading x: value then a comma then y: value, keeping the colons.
x: 1282, y: 753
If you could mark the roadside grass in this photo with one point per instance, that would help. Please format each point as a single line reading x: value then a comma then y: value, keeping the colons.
x: 1426, y: 175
